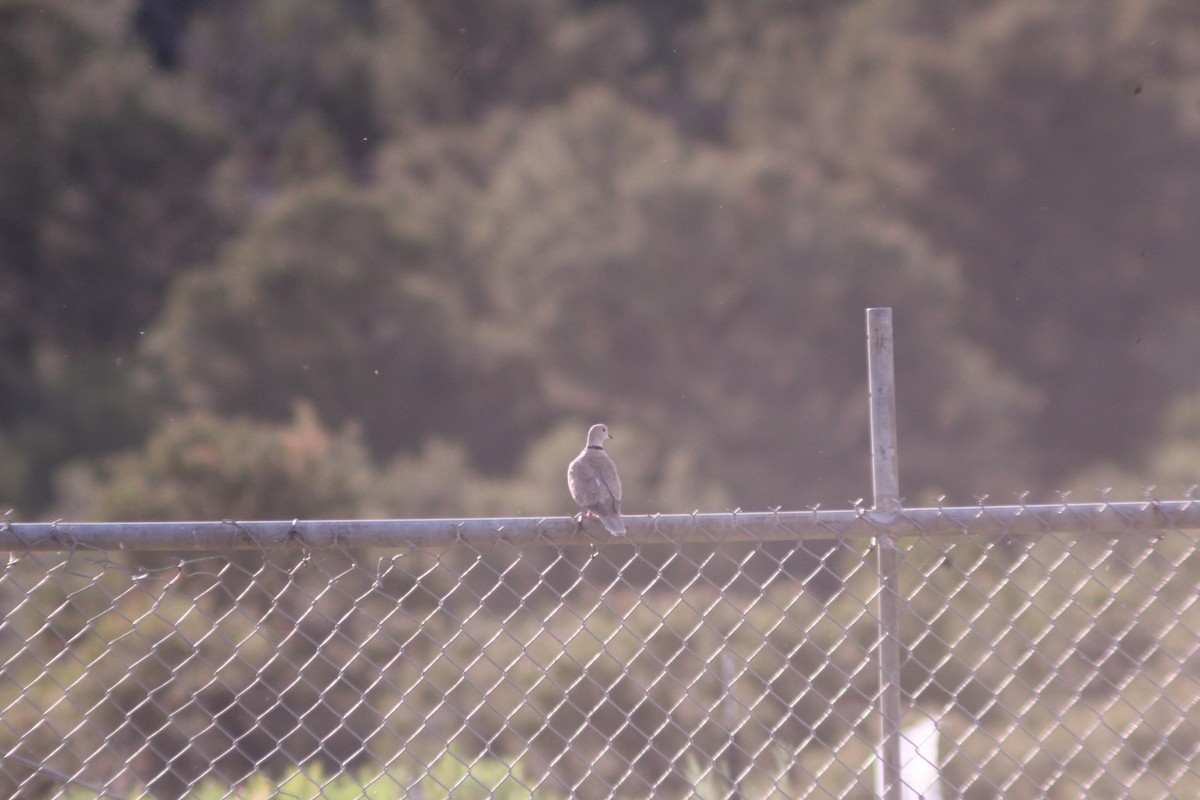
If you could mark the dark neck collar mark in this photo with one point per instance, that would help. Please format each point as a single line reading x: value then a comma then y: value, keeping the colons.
x: 594, y: 447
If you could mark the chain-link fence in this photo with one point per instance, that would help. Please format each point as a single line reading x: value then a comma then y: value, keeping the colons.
x: 723, y: 662
x: 1048, y: 651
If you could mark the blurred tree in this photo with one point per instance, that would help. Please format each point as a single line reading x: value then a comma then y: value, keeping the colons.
x: 1039, y: 146
x: 1169, y: 467
x: 326, y: 298
x: 1175, y: 460
x: 446, y: 63
x: 99, y: 205
x: 266, y: 67
x: 1053, y: 152
x: 162, y: 24
x: 668, y: 216
x: 122, y: 213
x: 718, y: 301
x: 198, y: 466
x: 322, y: 297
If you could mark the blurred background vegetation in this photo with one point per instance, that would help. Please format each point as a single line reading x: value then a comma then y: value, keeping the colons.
x: 438, y: 239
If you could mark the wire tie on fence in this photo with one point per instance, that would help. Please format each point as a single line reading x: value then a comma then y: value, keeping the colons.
x: 381, y: 572
x: 100, y: 563
x: 245, y: 533
x: 1156, y: 509
x: 178, y: 571
x: 60, y: 538
x: 1023, y: 499
x: 8, y: 527
x: 1189, y: 492
x: 538, y: 528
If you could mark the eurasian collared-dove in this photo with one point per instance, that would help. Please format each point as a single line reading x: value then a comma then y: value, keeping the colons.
x: 592, y: 478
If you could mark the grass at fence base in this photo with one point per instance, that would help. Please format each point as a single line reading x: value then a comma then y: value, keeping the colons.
x: 711, y: 781
x: 450, y: 778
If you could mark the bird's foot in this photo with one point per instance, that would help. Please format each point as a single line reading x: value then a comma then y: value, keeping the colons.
x: 582, y: 515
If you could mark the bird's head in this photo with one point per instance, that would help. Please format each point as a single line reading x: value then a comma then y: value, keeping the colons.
x: 597, y: 434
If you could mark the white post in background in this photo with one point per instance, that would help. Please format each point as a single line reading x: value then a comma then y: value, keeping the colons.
x: 886, y: 475
x: 920, y: 759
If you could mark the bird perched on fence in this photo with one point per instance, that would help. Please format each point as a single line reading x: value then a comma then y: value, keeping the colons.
x: 593, y: 481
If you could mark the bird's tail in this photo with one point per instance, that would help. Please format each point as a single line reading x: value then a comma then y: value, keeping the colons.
x: 614, y: 524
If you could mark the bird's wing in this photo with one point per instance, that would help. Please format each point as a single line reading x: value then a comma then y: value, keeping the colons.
x: 606, y: 485
x: 606, y: 472
x: 581, y: 480
x: 594, y: 484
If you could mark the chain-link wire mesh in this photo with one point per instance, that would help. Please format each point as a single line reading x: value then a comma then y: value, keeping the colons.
x: 1050, y: 665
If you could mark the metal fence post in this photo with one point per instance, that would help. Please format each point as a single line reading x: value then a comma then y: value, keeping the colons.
x: 885, y: 472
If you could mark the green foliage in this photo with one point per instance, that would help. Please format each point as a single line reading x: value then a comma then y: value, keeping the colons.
x: 274, y: 70
x: 711, y: 782
x: 201, y: 467
x: 450, y: 778
x: 457, y: 778
x: 392, y: 258
x: 99, y: 209
x: 725, y: 327
x: 460, y: 228
x: 322, y: 299
x: 1171, y: 460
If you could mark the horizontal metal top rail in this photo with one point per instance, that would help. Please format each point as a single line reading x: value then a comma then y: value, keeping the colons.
x: 1096, y: 518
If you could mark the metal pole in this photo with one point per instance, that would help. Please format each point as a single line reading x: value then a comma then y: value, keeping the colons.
x: 886, y: 474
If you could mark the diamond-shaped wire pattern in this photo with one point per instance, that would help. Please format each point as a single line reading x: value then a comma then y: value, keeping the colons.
x: 1050, y: 665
